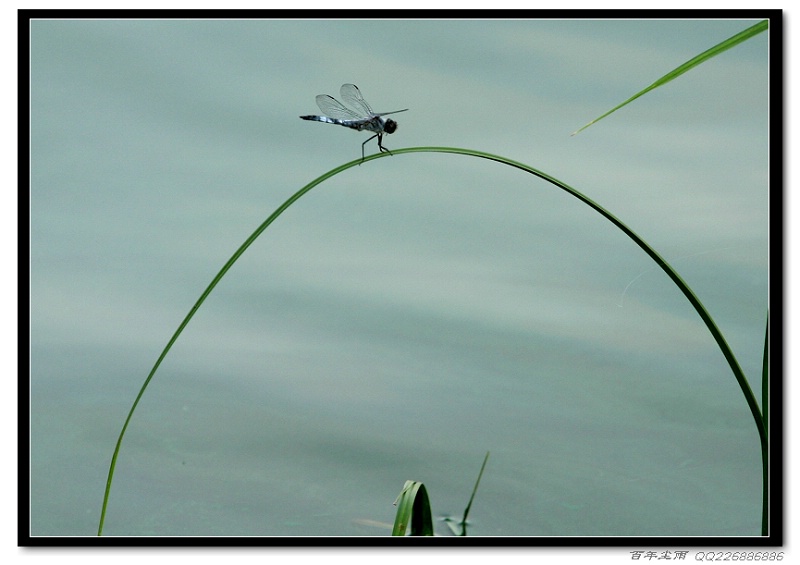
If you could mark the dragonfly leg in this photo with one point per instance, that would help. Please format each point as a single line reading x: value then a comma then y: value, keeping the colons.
x: 368, y: 140
x: 380, y: 145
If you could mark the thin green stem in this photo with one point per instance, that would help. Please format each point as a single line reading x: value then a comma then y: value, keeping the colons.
x: 472, y: 496
x: 765, y: 446
x: 765, y: 379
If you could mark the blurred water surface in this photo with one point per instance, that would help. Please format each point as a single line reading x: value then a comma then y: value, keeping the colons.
x: 410, y: 314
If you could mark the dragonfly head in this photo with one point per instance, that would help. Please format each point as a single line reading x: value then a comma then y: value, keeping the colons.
x: 390, y: 126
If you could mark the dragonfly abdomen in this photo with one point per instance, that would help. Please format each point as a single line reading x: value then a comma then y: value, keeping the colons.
x: 374, y: 124
x: 325, y: 119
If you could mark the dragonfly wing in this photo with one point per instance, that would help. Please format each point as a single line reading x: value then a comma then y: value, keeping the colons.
x: 335, y: 109
x: 395, y: 112
x: 352, y: 97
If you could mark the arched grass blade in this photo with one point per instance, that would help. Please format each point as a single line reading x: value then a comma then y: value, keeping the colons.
x: 673, y: 275
x: 688, y: 65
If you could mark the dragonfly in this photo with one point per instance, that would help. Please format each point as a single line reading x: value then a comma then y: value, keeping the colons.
x: 359, y: 116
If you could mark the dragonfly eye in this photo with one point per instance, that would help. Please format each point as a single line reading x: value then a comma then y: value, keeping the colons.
x: 390, y: 126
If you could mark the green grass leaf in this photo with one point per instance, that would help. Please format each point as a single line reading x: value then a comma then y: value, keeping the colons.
x: 414, y: 509
x: 688, y: 65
